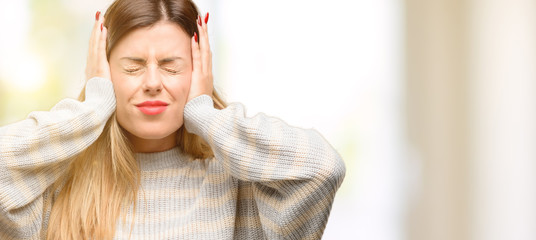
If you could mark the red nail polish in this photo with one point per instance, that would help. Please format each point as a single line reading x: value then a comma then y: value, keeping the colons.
x: 97, y: 15
x: 200, y: 22
x: 101, y: 27
x: 195, y: 36
x: 206, y: 19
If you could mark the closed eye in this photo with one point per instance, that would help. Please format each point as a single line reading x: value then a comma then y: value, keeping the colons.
x: 171, y: 70
x: 132, y: 70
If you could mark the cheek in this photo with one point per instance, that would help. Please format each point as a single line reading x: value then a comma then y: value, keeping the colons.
x: 118, y: 81
x: 121, y: 89
x: 179, y: 88
x: 124, y: 90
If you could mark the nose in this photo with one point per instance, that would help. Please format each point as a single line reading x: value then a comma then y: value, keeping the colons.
x: 152, y: 83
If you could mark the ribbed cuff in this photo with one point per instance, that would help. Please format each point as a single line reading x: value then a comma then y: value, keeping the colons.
x: 198, y: 113
x: 100, y: 92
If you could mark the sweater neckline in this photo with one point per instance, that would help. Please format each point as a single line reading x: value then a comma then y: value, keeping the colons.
x: 161, y: 160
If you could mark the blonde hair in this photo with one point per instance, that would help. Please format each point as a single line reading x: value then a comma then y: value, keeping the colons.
x: 102, y: 182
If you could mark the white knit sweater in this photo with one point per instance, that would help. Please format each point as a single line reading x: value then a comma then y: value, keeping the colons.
x: 268, y: 180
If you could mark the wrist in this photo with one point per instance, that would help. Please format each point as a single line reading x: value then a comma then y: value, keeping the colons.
x: 197, y: 114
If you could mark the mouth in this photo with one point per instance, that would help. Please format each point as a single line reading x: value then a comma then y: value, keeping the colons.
x: 152, y: 107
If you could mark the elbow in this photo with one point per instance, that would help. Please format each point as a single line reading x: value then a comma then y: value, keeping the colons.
x: 333, y: 169
x: 338, y: 170
x: 332, y: 172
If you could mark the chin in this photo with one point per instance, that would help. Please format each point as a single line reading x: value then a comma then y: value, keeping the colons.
x: 137, y: 128
x: 152, y: 133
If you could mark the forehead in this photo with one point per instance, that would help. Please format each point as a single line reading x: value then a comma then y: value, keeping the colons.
x: 162, y: 38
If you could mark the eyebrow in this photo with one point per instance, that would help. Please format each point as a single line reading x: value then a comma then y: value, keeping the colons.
x: 134, y: 59
x: 169, y: 59
x: 143, y: 61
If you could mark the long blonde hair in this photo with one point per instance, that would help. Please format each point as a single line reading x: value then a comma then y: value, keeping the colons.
x: 102, y: 182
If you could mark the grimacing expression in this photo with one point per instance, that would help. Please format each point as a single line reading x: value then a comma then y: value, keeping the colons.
x: 151, y: 70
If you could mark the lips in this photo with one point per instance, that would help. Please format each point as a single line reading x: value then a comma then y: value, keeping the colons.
x: 152, y: 107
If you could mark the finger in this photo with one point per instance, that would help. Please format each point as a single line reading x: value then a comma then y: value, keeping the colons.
x: 208, y: 49
x: 102, y: 47
x: 95, y: 33
x: 92, y: 46
x: 203, y: 35
x: 196, y: 55
x: 102, y: 40
x: 99, y: 30
x: 95, y: 27
x: 95, y: 38
x: 204, y: 44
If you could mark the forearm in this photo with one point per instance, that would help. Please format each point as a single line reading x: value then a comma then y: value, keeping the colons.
x: 294, y: 172
x: 262, y: 148
x: 33, y: 152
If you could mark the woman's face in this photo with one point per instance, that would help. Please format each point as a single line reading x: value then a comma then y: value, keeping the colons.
x: 151, y: 69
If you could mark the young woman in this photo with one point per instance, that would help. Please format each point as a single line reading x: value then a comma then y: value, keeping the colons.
x: 151, y: 152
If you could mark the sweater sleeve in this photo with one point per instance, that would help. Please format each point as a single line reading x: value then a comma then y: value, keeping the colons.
x: 36, y: 151
x: 295, y: 172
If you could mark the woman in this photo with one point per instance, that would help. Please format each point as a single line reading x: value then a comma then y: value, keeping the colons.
x: 151, y: 152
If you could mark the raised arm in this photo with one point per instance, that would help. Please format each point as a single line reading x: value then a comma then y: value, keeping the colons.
x: 294, y: 171
x: 36, y: 151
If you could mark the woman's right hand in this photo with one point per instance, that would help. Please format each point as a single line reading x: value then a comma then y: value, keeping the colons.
x: 97, y: 63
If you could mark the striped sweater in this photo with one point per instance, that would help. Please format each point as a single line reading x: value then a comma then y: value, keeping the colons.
x: 267, y: 180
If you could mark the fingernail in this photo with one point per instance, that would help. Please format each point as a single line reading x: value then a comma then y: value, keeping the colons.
x: 195, y: 36
x: 200, y: 22
x: 101, y: 27
x: 206, y: 19
x: 97, y: 15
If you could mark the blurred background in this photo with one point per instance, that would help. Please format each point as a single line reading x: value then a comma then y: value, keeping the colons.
x: 432, y: 104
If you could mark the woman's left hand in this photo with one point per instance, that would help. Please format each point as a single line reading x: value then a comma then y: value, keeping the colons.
x: 202, y: 81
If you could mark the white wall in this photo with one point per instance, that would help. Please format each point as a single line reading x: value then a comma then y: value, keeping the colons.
x: 503, y: 73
